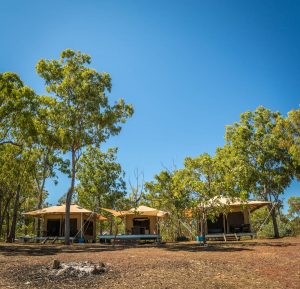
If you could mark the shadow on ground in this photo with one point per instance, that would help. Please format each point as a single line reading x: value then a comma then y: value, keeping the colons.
x: 201, y: 248
x: 45, y: 250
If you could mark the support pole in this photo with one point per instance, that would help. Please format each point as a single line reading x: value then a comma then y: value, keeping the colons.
x: 125, y: 231
x: 249, y: 216
x: 60, y: 226
x: 81, y: 225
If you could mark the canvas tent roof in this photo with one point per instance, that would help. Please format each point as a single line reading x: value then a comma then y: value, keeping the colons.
x: 237, y: 202
x: 58, y: 210
x: 141, y: 210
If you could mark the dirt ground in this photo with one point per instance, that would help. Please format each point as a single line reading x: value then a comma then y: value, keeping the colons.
x: 247, y: 264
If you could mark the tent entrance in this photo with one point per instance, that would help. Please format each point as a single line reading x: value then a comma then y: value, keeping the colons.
x: 216, y: 226
x: 88, y: 228
x: 141, y: 226
x: 236, y: 223
x: 53, y: 227
x: 73, y: 227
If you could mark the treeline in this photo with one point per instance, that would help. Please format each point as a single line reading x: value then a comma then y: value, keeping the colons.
x: 260, y: 159
x: 43, y: 134
x: 63, y: 130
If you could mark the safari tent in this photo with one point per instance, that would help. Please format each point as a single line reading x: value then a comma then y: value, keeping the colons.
x: 140, y: 223
x: 82, y: 222
x: 236, y: 217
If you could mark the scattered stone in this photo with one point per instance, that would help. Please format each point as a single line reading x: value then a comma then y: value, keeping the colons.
x: 76, y: 269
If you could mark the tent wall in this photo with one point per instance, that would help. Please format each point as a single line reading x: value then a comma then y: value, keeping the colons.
x: 77, y: 217
x: 229, y: 220
x: 128, y: 220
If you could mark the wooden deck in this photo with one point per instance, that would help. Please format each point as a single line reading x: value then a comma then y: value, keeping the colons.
x: 229, y: 237
x: 128, y: 237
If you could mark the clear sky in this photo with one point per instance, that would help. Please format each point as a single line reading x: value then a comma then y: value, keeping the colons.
x: 188, y: 67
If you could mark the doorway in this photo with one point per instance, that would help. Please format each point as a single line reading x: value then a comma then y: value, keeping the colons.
x: 216, y: 226
x: 53, y: 227
x: 141, y: 226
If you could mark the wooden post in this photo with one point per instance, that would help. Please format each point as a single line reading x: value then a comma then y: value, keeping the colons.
x: 125, y: 231
x: 81, y: 223
x: 60, y: 226
x: 249, y: 219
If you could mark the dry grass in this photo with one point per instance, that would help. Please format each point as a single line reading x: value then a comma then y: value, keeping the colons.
x: 249, y: 264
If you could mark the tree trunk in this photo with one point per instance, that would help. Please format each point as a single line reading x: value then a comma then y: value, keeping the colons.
x: 38, y: 227
x: 7, y: 223
x: 40, y: 202
x: 12, y: 234
x: 202, y: 225
x: 1, y: 219
x: 69, y: 199
x: 273, y: 213
x: 274, y: 220
x: 111, y: 225
x: 3, y: 215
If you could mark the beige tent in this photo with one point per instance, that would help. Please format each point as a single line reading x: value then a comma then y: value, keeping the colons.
x: 142, y: 220
x: 236, y: 217
x: 82, y: 221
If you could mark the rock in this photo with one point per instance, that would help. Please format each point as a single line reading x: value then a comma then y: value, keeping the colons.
x: 56, y: 264
x: 98, y: 269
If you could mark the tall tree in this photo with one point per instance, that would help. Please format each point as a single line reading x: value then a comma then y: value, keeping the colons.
x: 82, y: 113
x: 255, y: 140
x: 19, y: 124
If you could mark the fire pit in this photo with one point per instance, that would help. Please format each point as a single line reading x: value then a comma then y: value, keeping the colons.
x: 76, y: 269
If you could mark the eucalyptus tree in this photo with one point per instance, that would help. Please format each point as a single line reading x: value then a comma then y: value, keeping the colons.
x: 19, y: 106
x: 82, y: 114
x: 46, y: 162
x: 201, y: 179
x: 101, y: 179
x: 16, y: 183
x: 256, y: 141
x: 166, y: 193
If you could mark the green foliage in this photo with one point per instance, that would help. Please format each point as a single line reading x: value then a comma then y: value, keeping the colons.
x: 257, y: 139
x: 36, y: 131
x: 165, y: 193
x: 101, y: 179
x: 80, y: 113
x: 265, y: 230
x: 294, y: 207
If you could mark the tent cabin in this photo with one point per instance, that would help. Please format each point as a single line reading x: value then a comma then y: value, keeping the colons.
x: 140, y: 223
x: 235, y: 220
x: 82, y: 222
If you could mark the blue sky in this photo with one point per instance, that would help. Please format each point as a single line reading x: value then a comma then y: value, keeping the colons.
x: 188, y: 67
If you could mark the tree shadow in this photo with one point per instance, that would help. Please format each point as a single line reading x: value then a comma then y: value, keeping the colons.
x: 268, y: 244
x: 46, y: 250
x: 200, y: 248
